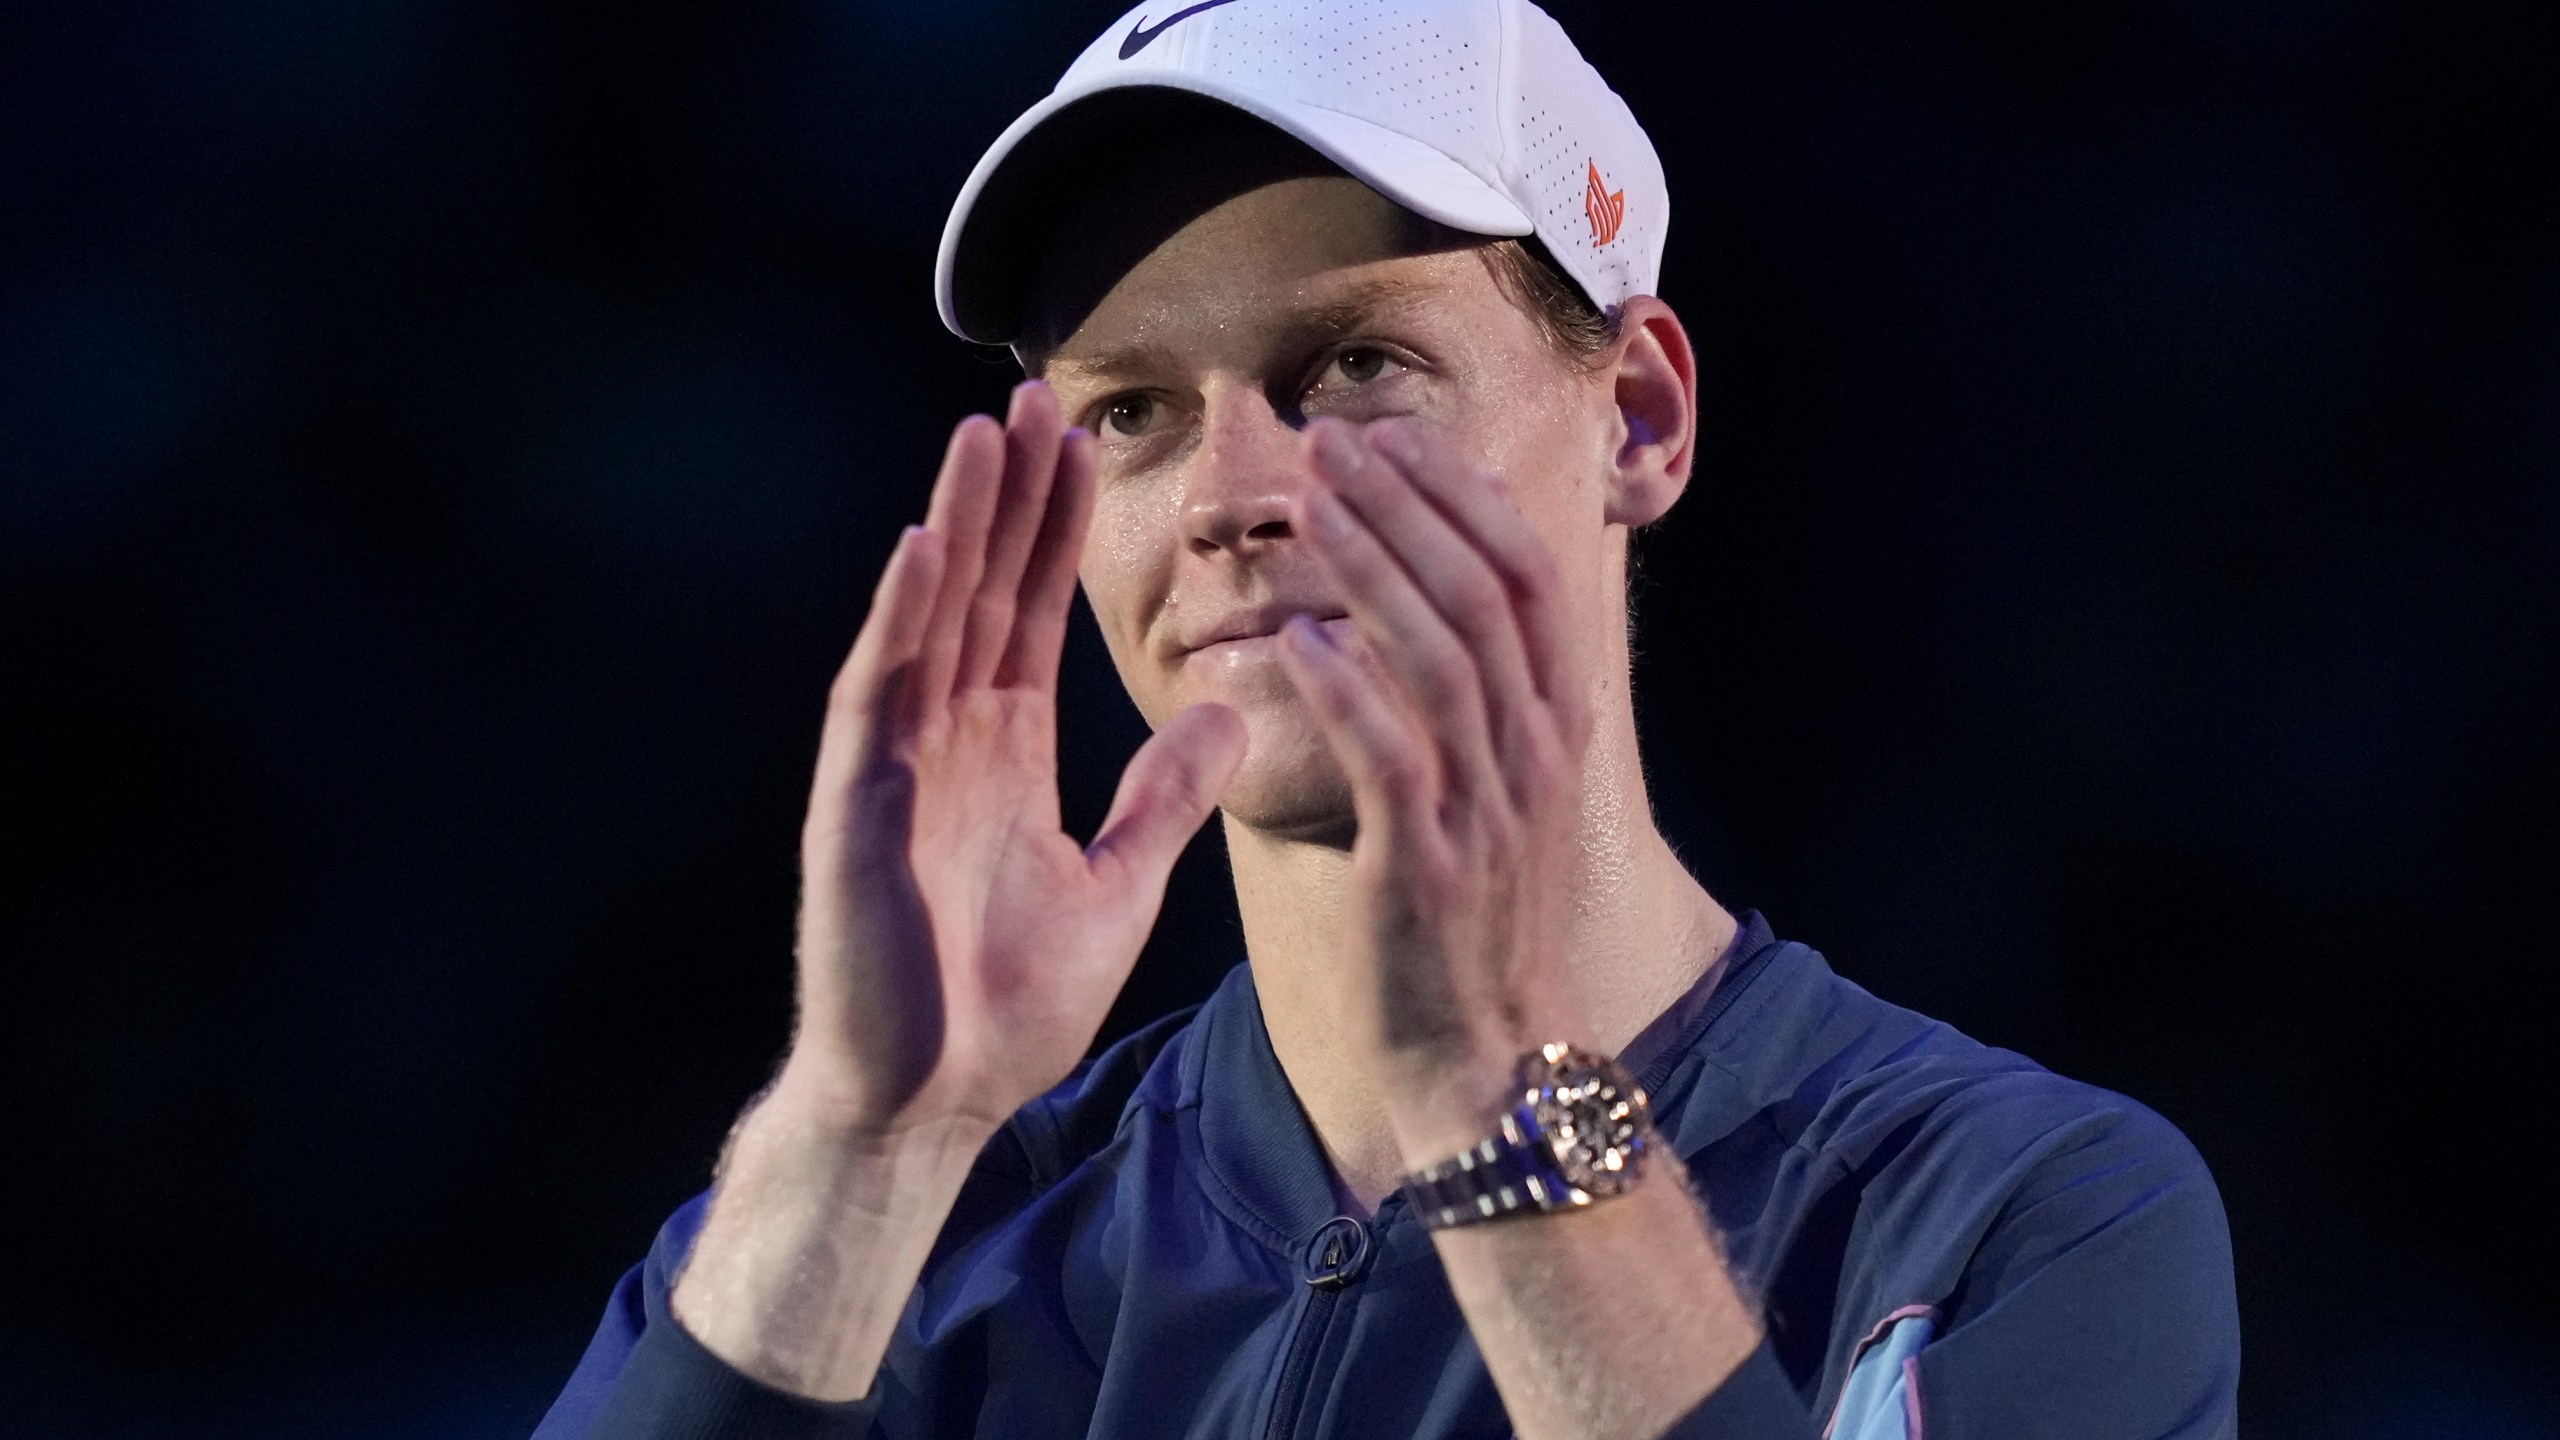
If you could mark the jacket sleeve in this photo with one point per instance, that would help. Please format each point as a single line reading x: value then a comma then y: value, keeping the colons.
x: 1756, y: 1402
x: 2093, y: 1302
x: 673, y: 1389
x: 2096, y: 1304
x: 644, y: 1378
x: 2099, y: 1306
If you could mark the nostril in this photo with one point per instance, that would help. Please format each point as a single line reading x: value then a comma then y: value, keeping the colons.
x: 1269, y: 530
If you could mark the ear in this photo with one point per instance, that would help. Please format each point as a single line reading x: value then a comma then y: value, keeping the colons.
x: 1655, y: 377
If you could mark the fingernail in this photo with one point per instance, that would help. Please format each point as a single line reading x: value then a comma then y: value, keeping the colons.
x: 1304, y: 630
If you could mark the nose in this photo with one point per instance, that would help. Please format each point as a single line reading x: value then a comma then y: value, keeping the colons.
x: 1249, y: 465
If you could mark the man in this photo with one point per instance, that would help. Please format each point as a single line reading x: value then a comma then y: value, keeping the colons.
x: 1350, y: 387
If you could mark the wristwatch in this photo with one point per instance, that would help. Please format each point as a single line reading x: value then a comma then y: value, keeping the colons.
x: 1578, y: 1136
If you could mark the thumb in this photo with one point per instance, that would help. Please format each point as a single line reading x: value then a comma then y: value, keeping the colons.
x: 1169, y: 788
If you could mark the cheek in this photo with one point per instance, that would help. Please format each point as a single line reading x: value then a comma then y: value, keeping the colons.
x: 1129, y: 538
x: 1543, y: 425
x: 1554, y: 449
x: 1552, y: 438
x: 1126, y: 556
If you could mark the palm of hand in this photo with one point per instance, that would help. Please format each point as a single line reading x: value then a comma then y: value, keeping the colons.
x: 958, y: 950
x: 1031, y: 945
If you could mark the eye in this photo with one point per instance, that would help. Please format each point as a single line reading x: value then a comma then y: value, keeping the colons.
x: 1361, y: 364
x: 1356, y: 378
x: 1127, y: 415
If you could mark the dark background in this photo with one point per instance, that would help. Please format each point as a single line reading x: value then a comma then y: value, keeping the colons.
x: 444, y: 447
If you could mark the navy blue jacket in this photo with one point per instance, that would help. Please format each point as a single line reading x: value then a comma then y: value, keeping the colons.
x: 1945, y: 1237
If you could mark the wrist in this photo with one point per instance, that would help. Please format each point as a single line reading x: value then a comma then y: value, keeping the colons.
x: 795, y: 1118
x: 828, y: 1092
x: 1576, y: 1133
x: 1442, y: 1100
x: 820, y: 1223
x: 1438, y: 1113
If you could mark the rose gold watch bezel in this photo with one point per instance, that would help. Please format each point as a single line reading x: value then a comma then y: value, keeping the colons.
x: 1552, y: 1075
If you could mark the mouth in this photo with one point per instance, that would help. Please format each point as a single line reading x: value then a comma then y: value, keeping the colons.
x: 1258, y: 632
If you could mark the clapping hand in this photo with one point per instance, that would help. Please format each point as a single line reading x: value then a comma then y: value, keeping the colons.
x: 958, y: 950
x: 1461, y: 716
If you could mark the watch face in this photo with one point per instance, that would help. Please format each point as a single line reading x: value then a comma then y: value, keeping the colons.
x: 1593, y: 1116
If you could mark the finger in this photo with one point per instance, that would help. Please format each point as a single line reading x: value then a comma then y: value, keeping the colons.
x: 1022, y: 506
x: 1408, y: 635
x: 1374, y: 738
x: 1480, y: 505
x: 963, y: 505
x: 1454, y: 577
x: 870, y: 705
x: 1049, y: 579
x: 1171, y: 785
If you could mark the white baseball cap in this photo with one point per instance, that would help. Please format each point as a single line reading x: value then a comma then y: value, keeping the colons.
x: 1478, y: 114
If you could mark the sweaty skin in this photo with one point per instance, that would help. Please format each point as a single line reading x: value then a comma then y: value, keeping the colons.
x: 1357, y: 542
x: 1307, y: 302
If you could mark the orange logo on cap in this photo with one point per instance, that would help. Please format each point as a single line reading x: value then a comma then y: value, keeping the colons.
x: 1607, y: 208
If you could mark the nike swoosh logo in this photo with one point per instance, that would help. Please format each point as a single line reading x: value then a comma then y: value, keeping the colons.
x: 1140, y: 37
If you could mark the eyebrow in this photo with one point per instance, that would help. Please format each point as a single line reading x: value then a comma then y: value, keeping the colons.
x: 1358, y: 303
x: 1138, y: 359
x: 1334, y: 316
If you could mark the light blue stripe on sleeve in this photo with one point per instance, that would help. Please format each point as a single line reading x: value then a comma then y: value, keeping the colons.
x: 1880, y: 1401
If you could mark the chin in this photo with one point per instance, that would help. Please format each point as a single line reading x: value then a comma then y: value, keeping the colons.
x: 1289, y: 787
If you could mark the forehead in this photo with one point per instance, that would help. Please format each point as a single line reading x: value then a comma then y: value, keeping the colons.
x: 1303, y: 252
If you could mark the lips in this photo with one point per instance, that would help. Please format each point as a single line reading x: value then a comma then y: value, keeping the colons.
x: 1260, y: 622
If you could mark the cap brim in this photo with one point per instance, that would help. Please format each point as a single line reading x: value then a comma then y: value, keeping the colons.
x: 981, y: 277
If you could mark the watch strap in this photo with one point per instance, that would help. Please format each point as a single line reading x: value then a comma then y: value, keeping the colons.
x: 1506, y: 1173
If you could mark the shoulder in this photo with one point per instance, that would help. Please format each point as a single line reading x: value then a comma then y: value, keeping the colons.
x: 1836, y: 1071
x: 1953, y: 1173
x: 1882, y: 1169
x: 1941, y: 1155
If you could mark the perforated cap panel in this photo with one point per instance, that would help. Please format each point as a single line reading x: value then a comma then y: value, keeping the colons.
x: 1581, y: 166
x: 1479, y: 114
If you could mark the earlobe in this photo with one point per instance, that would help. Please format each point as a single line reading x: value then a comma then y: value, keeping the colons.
x: 1655, y: 379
